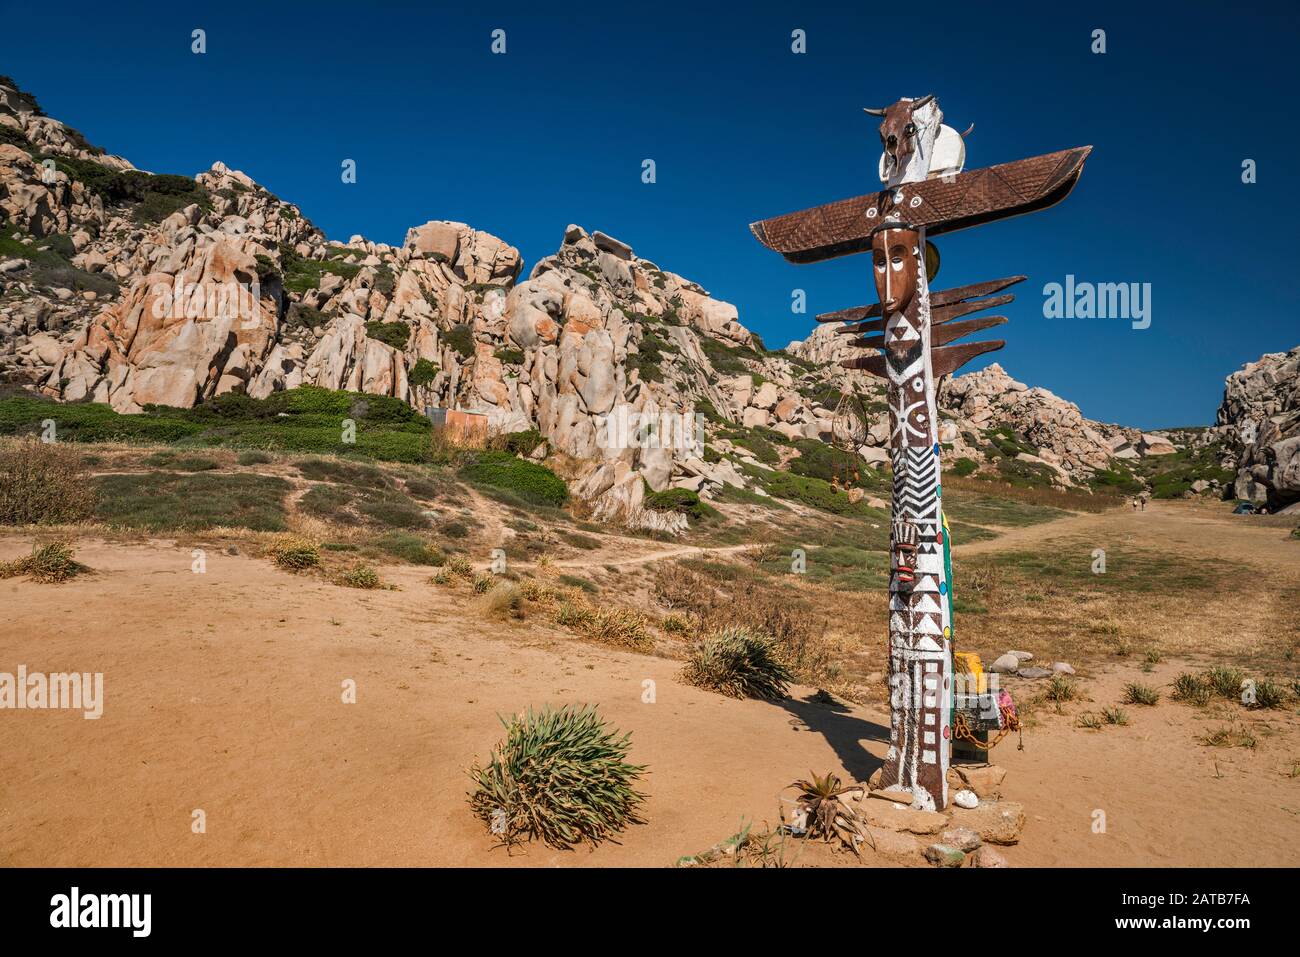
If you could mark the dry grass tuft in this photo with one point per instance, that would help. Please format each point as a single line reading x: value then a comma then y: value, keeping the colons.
x: 504, y: 600
x: 43, y: 483
x: 50, y: 563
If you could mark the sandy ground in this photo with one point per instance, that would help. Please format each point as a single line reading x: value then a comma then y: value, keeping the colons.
x: 223, y: 693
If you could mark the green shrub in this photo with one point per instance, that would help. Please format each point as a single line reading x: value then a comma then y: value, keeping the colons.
x: 43, y: 483
x: 511, y: 357
x: 395, y: 334
x: 161, y: 501
x: 254, y: 458
x: 738, y: 663
x: 964, y: 466
x: 523, y: 443
x: 531, y: 482
x: 411, y: 548
x: 422, y: 373
x: 682, y: 500
x: 560, y: 776
x: 461, y: 339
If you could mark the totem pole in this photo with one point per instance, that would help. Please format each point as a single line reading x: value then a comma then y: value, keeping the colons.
x: 926, y: 193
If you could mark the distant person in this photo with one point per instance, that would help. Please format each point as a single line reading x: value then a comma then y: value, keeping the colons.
x: 1143, y: 500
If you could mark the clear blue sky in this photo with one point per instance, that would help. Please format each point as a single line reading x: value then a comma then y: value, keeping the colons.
x: 741, y: 129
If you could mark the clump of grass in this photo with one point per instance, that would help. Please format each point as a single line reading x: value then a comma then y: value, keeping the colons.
x: 1191, y: 689
x: 738, y: 663
x: 503, y: 600
x: 253, y: 458
x: 617, y: 625
x: 1093, y: 722
x: 294, y: 553
x: 1230, y: 737
x: 459, y: 567
x: 43, y: 483
x: 1060, y: 690
x: 1115, y: 716
x: 411, y: 548
x: 560, y: 776
x: 360, y: 575
x: 50, y: 563
x: 1225, y: 682
x: 440, y: 577
x: 674, y: 624
x: 572, y: 614
x: 482, y: 583
x: 1269, y: 694
x: 1135, y: 693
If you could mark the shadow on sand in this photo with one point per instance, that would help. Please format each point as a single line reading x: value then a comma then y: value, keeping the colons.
x: 845, y: 732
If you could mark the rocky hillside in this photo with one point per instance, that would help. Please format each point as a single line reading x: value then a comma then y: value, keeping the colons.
x: 129, y: 288
x: 1260, y: 417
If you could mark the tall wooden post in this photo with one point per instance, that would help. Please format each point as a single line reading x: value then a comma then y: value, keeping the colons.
x: 926, y: 192
x: 920, y: 653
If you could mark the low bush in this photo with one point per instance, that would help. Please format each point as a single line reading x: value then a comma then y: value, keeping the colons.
x: 411, y: 548
x: 43, y: 483
x: 682, y: 500
x: 559, y: 776
x: 295, y: 554
x: 360, y: 575
x: 529, y: 481
x: 738, y: 663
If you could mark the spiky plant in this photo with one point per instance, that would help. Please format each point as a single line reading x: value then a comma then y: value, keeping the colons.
x: 738, y: 663
x: 1140, y: 694
x: 1191, y: 689
x: 50, y: 563
x: 823, y: 803
x: 559, y: 776
x: 1225, y: 682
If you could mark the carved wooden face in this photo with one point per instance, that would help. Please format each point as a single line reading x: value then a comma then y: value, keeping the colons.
x: 895, y: 257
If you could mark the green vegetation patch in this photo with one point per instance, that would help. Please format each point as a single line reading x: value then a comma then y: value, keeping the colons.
x: 527, y: 480
x: 164, y: 501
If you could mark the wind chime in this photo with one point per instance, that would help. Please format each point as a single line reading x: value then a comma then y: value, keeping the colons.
x: 911, y: 328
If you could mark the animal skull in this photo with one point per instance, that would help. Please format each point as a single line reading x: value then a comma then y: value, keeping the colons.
x: 909, y: 134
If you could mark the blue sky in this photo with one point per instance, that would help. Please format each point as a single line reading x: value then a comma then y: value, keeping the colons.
x: 740, y: 128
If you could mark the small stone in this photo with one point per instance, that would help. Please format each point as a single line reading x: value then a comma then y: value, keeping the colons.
x: 894, y: 843
x: 983, y: 779
x: 1034, y: 673
x: 886, y: 815
x: 996, y: 823
x: 942, y: 855
x: 1006, y: 664
x: 1022, y: 655
x: 1063, y: 667
x: 962, y: 838
x: 987, y: 857
x: 965, y: 798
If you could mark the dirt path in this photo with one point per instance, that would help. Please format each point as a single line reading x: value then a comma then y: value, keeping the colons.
x: 656, y: 554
